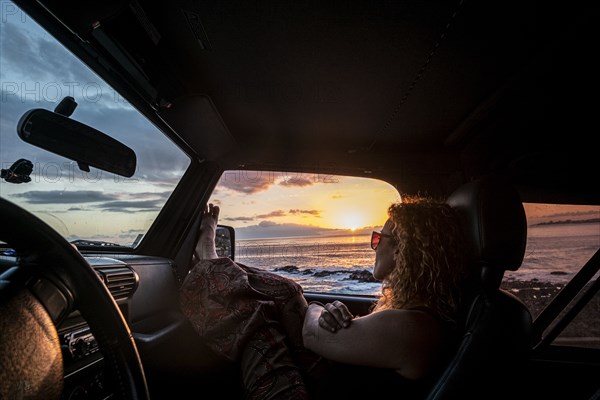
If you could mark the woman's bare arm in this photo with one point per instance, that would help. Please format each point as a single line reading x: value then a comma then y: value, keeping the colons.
x: 404, y: 340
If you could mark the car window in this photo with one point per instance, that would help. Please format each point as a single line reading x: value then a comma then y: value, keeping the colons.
x: 560, y: 240
x: 314, y: 228
x: 96, y: 207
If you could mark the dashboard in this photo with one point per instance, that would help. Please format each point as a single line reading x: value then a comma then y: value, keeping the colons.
x: 174, y: 358
x: 145, y: 289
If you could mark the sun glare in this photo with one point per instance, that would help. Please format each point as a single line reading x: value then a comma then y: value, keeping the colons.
x: 352, y: 222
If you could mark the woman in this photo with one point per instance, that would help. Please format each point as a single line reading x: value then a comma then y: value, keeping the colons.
x: 262, y: 320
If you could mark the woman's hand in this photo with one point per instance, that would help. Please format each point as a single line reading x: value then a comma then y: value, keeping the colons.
x: 335, y: 316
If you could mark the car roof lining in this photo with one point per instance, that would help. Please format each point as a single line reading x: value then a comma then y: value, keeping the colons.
x: 300, y: 84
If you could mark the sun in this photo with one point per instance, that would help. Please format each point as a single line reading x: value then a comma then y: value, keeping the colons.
x: 351, y: 222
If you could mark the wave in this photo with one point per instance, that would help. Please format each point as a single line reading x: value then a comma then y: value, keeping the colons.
x: 358, y: 274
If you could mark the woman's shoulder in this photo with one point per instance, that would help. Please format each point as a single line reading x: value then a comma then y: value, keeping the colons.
x: 412, y: 338
x: 399, y: 318
x: 424, y: 322
x: 407, y: 312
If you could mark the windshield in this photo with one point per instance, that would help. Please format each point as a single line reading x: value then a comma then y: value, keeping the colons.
x: 94, y: 207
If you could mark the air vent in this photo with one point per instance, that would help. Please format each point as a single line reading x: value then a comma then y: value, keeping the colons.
x: 121, y: 281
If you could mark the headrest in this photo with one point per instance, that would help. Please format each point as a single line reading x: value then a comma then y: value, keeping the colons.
x: 495, y: 224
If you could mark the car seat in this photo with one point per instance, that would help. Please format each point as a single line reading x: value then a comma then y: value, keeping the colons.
x: 495, y: 325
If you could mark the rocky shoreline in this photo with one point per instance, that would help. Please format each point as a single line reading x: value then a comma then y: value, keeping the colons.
x: 536, y: 295
x: 358, y: 274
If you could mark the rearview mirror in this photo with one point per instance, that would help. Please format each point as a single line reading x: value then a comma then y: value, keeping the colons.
x: 225, y: 241
x: 76, y: 141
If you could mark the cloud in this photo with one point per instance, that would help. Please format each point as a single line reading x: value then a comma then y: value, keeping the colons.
x: 244, y: 183
x: 39, y: 54
x: 240, y: 219
x: 275, y: 214
x: 249, y: 182
x: 315, y: 213
x: 107, y: 202
x: 34, y: 70
x: 266, y: 224
x: 272, y: 214
x: 270, y: 229
x: 296, y: 181
x: 151, y: 195
x: 131, y: 206
x: 63, y: 197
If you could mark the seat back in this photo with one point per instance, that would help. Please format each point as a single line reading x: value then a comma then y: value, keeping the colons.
x: 496, y: 326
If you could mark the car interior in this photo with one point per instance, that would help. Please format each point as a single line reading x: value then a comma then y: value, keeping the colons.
x: 485, y: 105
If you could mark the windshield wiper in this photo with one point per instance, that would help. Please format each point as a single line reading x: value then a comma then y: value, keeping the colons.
x: 95, y: 243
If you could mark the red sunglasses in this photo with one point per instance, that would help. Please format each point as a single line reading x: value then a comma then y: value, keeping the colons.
x: 376, y: 238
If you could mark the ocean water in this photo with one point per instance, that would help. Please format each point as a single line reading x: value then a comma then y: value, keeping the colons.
x: 319, y: 264
x: 554, y: 254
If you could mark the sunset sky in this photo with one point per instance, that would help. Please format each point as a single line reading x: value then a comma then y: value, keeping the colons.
x: 537, y: 213
x: 37, y: 72
x: 263, y: 204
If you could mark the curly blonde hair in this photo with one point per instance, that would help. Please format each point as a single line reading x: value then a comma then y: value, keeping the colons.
x: 430, y: 257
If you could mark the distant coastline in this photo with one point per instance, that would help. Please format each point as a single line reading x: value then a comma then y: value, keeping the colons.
x: 569, y: 221
x: 324, y: 236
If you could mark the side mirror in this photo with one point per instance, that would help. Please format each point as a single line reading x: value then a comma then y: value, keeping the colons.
x: 225, y: 241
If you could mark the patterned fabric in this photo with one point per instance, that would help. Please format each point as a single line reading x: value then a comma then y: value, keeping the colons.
x: 252, y: 317
x: 269, y: 370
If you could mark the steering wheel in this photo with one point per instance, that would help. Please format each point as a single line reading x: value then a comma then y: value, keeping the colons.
x: 51, y: 280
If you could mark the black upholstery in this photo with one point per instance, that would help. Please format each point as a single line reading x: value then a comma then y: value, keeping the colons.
x: 495, y: 225
x: 496, y: 325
